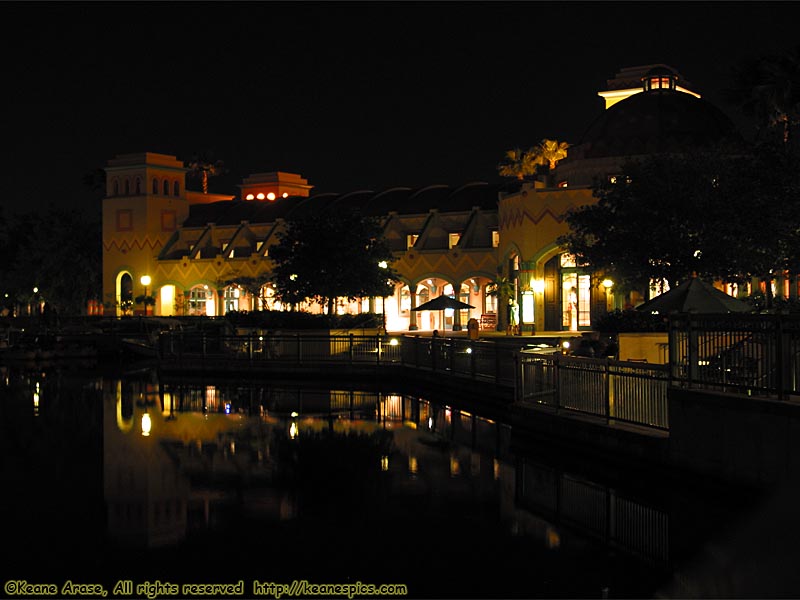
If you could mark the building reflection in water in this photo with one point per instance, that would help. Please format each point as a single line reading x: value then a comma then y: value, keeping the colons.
x: 210, y: 449
x: 179, y: 457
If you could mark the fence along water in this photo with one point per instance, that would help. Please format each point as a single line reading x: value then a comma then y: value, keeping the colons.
x: 615, y: 390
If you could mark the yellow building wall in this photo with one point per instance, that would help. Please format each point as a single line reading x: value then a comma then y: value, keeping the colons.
x: 532, y: 219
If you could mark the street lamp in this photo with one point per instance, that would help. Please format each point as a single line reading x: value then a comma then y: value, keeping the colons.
x: 145, y: 281
x: 383, y: 265
x: 608, y: 284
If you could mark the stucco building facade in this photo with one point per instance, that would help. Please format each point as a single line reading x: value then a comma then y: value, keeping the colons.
x: 195, y: 248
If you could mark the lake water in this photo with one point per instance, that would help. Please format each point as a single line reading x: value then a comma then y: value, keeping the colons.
x: 125, y: 477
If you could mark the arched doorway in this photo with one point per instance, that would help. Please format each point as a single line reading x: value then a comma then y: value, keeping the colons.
x: 124, y: 294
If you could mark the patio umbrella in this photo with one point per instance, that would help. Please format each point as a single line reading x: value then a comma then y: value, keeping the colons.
x: 443, y: 302
x: 696, y: 296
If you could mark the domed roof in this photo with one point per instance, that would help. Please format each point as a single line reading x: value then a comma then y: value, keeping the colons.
x: 661, y: 120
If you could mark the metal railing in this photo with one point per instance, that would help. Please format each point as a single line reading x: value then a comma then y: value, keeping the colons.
x: 622, y: 391
x: 755, y: 355
x: 279, y: 350
x: 615, y: 390
x: 474, y: 359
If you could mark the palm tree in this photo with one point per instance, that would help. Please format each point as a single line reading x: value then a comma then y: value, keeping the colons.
x: 551, y: 151
x: 203, y: 166
x: 502, y: 287
x: 519, y: 164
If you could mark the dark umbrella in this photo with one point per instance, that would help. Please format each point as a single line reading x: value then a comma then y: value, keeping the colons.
x: 695, y: 296
x: 443, y: 302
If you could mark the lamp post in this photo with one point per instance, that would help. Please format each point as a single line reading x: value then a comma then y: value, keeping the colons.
x: 383, y: 265
x: 145, y: 281
x: 608, y: 284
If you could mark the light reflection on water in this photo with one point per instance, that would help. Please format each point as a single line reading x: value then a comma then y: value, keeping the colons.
x: 206, y: 480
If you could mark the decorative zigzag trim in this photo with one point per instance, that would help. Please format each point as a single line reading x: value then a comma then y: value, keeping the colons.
x: 518, y: 216
x: 135, y: 244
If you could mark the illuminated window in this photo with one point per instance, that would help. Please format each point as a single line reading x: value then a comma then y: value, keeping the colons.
x: 495, y: 238
x: 165, y: 189
x: 176, y: 189
x: 232, y: 294
x: 491, y: 301
x: 155, y: 186
x: 198, y: 296
x: 568, y: 260
x: 576, y: 296
x: 411, y: 239
x: 453, y: 239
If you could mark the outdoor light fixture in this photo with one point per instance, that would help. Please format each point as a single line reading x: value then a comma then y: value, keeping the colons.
x: 383, y: 264
x: 608, y: 284
x: 260, y: 196
x: 35, y: 290
x: 271, y: 196
x: 145, y: 281
x: 249, y: 197
x: 285, y: 195
x: 147, y: 424
x: 537, y: 285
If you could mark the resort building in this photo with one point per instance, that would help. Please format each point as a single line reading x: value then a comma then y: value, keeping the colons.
x: 191, y: 251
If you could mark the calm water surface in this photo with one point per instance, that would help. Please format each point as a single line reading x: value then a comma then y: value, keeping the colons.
x: 113, y: 477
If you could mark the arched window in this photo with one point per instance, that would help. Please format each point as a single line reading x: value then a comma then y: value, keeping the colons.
x: 176, y: 189
x: 232, y: 295
x: 138, y: 186
x: 155, y: 185
x: 166, y: 187
x: 116, y: 187
x: 127, y: 187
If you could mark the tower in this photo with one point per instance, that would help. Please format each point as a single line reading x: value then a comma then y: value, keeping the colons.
x: 145, y: 203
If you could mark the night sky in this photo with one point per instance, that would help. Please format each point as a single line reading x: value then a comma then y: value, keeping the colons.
x: 364, y: 95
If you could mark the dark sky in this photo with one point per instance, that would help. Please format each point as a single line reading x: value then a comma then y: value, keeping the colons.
x: 363, y: 95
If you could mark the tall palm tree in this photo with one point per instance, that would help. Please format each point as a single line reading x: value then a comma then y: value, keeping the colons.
x: 551, y: 151
x: 519, y: 164
x: 203, y: 166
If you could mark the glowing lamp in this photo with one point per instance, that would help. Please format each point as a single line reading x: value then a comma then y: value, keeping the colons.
x: 249, y: 197
x: 537, y: 285
x: 147, y: 424
x: 271, y: 196
x: 285, y: 195
x: 260, y: 195
x: 607, y: 283
x: 145, y: 280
